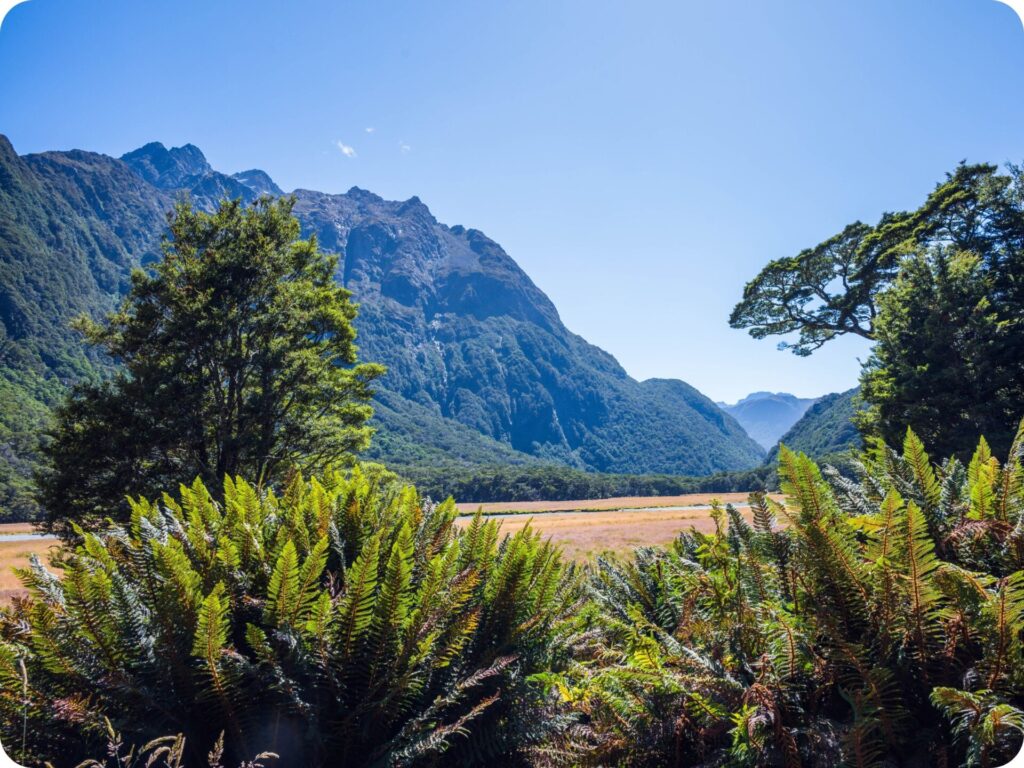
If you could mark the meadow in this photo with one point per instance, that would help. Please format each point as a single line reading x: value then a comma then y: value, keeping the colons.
x: 14, y: 553
x: 586, y: 528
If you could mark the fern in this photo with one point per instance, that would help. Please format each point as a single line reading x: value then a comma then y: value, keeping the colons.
x: 929, y: 496
x: 1005, y: 614
x: 346, y: 603
x: 924, y: 600
x: 992, y: 729
x: 283, y: 590
x: 355, y: 610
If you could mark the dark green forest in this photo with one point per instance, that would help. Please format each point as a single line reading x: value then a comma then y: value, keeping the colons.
x: 554, y: 483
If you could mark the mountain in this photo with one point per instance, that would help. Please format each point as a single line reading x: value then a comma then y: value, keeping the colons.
x: 480, y: 367
x: 466, y: 333
x: 826, y: 428
x: 767, y: 415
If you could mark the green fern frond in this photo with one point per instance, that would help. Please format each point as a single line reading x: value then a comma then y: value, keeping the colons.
x: 929, y: 491
x: 355, y: 609
x: 283, y: 589
x: 924, y: 600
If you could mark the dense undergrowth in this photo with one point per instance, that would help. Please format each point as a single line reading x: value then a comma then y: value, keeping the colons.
x: 867, y: 622
x: 343, y: 622
x: 880, y: 624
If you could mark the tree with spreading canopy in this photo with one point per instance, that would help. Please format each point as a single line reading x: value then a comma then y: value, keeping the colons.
x: 941, y: 292
x: 237, y: 355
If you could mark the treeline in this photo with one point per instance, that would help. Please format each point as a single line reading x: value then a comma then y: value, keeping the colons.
x: 557, y: 483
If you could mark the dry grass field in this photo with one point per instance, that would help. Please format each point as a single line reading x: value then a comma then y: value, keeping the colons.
x: 618, y: 503
x: 8, y: 528
x: 619, y: 529
x: 15, y: 554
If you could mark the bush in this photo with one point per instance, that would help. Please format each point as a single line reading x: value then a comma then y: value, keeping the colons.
x: 342, y: 622
x: 882, y: 624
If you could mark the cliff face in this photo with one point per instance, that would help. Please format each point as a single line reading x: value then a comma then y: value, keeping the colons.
x: 466, y: 333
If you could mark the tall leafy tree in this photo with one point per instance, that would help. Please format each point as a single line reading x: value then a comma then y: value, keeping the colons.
x: 949, y: 357
x: 832, y: 289
x: 941, y: 289
x: 238, y: 357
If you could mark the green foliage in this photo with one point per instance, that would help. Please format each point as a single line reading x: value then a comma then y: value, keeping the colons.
x: 844, y: 636
x: 987, y: 726
x: 238, y: 357
x: 63, y: 252
x: 408, y: 433
x: 527, y: 383
x: 26, y: 397
x: 340, y: 622
x: 948, y: 354
x: 939, y: 291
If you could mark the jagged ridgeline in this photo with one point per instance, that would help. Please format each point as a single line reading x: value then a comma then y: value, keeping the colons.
x: 481, y: 368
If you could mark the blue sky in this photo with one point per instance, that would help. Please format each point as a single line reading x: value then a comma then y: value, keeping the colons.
x: 639, y: 160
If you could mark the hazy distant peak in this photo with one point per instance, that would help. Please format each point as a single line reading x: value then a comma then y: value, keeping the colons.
x: 766, y: 416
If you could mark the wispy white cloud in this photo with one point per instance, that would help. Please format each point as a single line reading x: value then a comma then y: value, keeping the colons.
x: 346, y: 150
x: 404, y: 148
x: 370, y: 129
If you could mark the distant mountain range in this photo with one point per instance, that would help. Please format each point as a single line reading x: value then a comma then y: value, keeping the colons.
x: 766, y: 416
x: 480, y: 367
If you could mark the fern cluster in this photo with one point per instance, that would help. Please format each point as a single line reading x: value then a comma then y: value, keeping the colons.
x: 342, y: 622
x: 863, y: 623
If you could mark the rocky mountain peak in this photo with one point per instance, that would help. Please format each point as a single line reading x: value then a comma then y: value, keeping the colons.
x: 6, y: 149
x: 168, y: 168
x: 258, y: 181
x: 186, y: 169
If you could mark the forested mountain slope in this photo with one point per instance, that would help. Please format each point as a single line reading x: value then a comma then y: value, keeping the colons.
x: 826, y: 428
x: 481, y: 368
